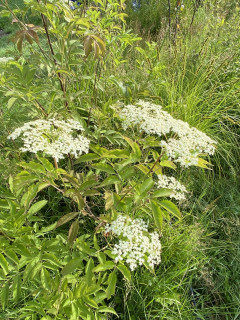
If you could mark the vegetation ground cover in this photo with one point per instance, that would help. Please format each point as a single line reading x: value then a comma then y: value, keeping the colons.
x: 184, y: 57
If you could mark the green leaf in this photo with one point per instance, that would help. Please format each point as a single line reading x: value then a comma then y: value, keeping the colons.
x: 45, y: 279
x: 71, y: 266
x: 12, y: 255
x: 4, y: 204
x: 125, y: 272
x: 112, y: 280
x: 37, y: 207
x: 163, y: 192
x: 5, y: 296
x: 135, y: 147
x: 108, y: 265
x: 89, y: 272
x: 146, y: 185
x: 157, y: 214
x: 21, y: 181
x: 16, y: 288
x: 29, y: 195
x: 170, y: 207
x: 103, y: 167
x: 84, y: 247
x: 4, y: 264
x: 87, y: 184
x: 36, y: 167
x: 29, y: 269
x: 110, y: 180
x: 90, y: 302
x: 107, y: 309
x: 47, y: 164
x: 142, y: 168
x: 11, y: 102
x: 66, y: 218
x: 117, y: 154
x: 73, y: 231
x: 87, y: 157
x: 168, y: 163
x: 203, y: 163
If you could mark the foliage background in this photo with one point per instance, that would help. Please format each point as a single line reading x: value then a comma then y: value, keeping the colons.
x: 193, y: 72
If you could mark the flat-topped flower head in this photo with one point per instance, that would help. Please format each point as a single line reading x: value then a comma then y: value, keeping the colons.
x: 179, y: 190
x: 136, y: 245
x: 56, y: 138
x: 182, y: 143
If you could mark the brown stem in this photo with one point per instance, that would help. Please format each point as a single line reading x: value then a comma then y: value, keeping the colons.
x: 40, y: 107
x: 94, y: 92
x: 53, y: 54
x: 55, y: 163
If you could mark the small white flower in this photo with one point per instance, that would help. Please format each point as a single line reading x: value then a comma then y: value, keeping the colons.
x: 187, y: 144
x: 53, y: 137
x: 171, y: 183
x: 136, y: 245
x: 5, y: 59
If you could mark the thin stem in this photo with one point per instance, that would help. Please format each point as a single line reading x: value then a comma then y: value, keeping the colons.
x: 55, y: 163
x: 94, y: 92
x: 53, y: 54
x: 169, y: 21
x: 40, y: 107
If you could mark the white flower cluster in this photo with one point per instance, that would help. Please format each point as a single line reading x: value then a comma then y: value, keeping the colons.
x: 171, y: 183
x: 136, y: 244
x: 5, y: 59
x: 186, y: 144
x: 53, y: 137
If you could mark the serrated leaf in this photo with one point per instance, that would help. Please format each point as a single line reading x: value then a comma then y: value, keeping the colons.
x: 16, y: 288
x: 34, y: 35
x: 11, y: 102
x: 112, y: 280
x: 171, y: 208
x: 89, y: 272
x: 163, y: 192
x: 146, y: 185
x: 4, y: 264
x: 5, y: 296
x: 87, y: 157
x: 66, y: 218
x: 84, y: 247
x: 71, y: 266
x: 37, y: 206
x: 90, y: 302
x: 110, y: 180
x: 125, y: 272
x: 203, y: 163
x: 47, y: 164
x: 135, y: 147
x: 45, y: 279
x: 108, y: 265
x: 103, y: 167
x: 168, y: 164
x: 88, y: 42
x: 87, y: 184
x: 117, y: 154
x: 157, y: 214
x: 12, y: 255
x: 73, y: 231
x: 107, y: 309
